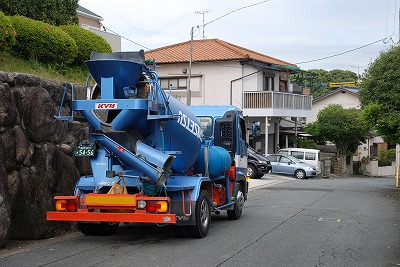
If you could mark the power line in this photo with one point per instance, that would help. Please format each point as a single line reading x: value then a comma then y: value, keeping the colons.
x: 126, y: 38
x: 259, y: 3
x: 348, y: 51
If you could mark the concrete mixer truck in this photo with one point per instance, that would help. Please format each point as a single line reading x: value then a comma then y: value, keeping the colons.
x: 153, y: 159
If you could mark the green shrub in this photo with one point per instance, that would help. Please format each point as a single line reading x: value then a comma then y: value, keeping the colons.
x: 55, y: 12
x: 87, y: 42
x: 43, y: 42
x: 7, y: 33
x: 307, y: 143
x: 387, y: 157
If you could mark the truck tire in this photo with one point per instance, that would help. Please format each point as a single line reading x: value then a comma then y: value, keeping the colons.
x: 179, y: 231
x: 203, y: 217
x: 104, y: 228
x: 236, y: 213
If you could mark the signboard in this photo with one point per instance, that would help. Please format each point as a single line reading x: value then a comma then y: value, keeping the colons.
x: 337, y: 85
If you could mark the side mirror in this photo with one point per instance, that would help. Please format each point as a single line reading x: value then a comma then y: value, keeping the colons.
x: 256, y: 128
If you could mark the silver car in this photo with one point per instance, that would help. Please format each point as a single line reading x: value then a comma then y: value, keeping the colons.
x: 290, y: 165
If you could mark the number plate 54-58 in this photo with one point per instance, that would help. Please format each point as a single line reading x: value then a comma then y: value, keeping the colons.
x: 84, y: 151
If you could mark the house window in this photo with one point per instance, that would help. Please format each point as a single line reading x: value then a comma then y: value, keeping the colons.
x: 174, y: 83
x: 268, y: 83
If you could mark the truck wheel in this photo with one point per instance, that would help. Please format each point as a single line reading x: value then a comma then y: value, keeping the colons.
x: 251, y: 171
x: 109, y: 228
x: 104, y: 228
x: 89, y: 228
x: 203, y: 217
x: 236, y: 213
x: 179, y: 231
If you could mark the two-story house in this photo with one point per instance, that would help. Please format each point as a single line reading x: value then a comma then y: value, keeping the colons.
x: 94, y: 23
x: 215, y: 72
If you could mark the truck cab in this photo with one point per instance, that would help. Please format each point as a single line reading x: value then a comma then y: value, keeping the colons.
x: 224, y: 126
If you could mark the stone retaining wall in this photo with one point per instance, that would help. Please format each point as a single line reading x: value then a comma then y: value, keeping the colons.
x: 36, y: 159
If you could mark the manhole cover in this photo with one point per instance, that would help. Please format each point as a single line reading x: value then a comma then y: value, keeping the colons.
x: 329, y: 220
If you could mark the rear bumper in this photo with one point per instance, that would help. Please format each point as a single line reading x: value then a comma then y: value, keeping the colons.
x: 86, y: 216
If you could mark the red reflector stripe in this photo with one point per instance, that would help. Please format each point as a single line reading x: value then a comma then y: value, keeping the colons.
x: 232, y: 173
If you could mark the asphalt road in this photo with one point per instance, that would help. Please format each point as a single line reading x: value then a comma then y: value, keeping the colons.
x: 286, y: 222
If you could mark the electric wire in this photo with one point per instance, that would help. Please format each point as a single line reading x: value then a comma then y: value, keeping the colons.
x: 106, y: 28
x: 339, y: 54
x: 233, y: 11
x: 197, y: 27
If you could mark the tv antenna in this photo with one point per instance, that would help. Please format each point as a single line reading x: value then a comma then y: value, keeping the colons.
x: 203, y: 13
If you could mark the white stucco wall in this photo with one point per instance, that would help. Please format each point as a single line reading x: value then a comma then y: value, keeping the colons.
x: 211, y: 82
x: 347, y: 100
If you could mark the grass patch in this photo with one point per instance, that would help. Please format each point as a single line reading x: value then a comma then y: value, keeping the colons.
x: 54, y: 72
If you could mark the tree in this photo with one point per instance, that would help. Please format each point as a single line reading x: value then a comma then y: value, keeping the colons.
x: 318, y: 80
x: 380, y: 95
x: 344, y: 127
x: 55, y: 12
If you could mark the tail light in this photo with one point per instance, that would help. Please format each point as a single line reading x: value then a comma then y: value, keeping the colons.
x: 66, y: 205
x: 157, y: 206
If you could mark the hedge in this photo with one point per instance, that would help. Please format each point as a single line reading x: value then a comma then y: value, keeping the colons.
x: 7, y: 33
x: 55, y: 12
x: 87, y: 42
x: 43, y: 42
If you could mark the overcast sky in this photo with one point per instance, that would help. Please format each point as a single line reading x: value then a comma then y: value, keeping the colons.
x: 290, y: 30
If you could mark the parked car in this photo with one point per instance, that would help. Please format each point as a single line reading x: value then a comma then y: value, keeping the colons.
x: 285, y: 164
x: 257, y: 164
x: 306, y: 155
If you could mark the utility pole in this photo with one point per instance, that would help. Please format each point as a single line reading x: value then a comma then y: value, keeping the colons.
x: 203, y: 13
x: 189, y: 93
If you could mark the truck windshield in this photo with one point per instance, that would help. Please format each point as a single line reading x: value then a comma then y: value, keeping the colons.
x: 206, y: 124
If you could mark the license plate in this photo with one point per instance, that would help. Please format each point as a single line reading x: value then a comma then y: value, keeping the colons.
x: 84, y: 151
x: 110, y: 199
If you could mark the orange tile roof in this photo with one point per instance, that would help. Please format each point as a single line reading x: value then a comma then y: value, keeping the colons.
x: 208, y: 50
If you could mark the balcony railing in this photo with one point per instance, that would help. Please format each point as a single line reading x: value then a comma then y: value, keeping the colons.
x: 276, y: 100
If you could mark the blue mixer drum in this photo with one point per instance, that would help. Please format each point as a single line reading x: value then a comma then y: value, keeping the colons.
x: 179, y: 135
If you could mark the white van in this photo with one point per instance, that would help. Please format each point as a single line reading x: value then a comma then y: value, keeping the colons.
x: 306, y: 155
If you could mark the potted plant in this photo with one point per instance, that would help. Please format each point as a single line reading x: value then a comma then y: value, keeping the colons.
x: 365, y: 160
